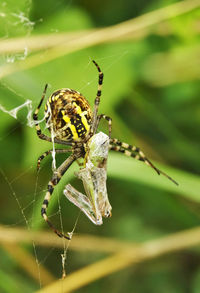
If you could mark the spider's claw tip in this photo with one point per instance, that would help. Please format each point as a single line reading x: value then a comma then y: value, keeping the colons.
x: 170, y: 178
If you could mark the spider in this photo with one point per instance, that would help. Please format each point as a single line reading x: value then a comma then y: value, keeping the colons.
x: 70, y: 118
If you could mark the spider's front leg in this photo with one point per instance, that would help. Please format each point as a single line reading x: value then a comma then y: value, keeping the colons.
x: 135, y: 152
x: 97, y: 100
x: 52, y: 183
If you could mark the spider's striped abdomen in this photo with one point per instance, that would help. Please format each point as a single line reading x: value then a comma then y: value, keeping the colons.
x: 69, y: 114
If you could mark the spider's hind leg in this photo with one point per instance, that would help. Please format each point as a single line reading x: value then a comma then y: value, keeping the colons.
x: 45, y: 154
x: 135, y: 152
x: 51, y: 185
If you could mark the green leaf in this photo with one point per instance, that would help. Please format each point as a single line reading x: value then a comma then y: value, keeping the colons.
x: 129, y: 169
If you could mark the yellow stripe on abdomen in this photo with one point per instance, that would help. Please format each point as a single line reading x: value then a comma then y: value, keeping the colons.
x: 83, y: 118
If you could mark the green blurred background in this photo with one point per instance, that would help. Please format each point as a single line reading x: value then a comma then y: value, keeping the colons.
x: 151, y: 90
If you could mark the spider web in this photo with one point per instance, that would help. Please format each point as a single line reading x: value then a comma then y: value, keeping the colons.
x: 13, y: 20
x: 29, y: 222
x: 18, y: 19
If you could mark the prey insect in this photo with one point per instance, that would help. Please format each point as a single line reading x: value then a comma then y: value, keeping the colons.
x: 95, y: 203
x: 72, y: 123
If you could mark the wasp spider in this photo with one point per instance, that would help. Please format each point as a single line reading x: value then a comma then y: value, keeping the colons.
x: 71, y: 120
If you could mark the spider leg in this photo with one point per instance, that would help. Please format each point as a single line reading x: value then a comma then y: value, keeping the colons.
x: 52, y: 183
x: 109, y: 119
x: 45, y: 154
x: 35, y: 118
x: 97, y: 99
x: 135, y: 152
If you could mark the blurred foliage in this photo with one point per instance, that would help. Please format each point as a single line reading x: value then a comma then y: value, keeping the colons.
x: 151, y: 90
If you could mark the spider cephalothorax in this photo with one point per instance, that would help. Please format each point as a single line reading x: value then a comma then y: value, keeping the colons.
x: 72, y: 123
